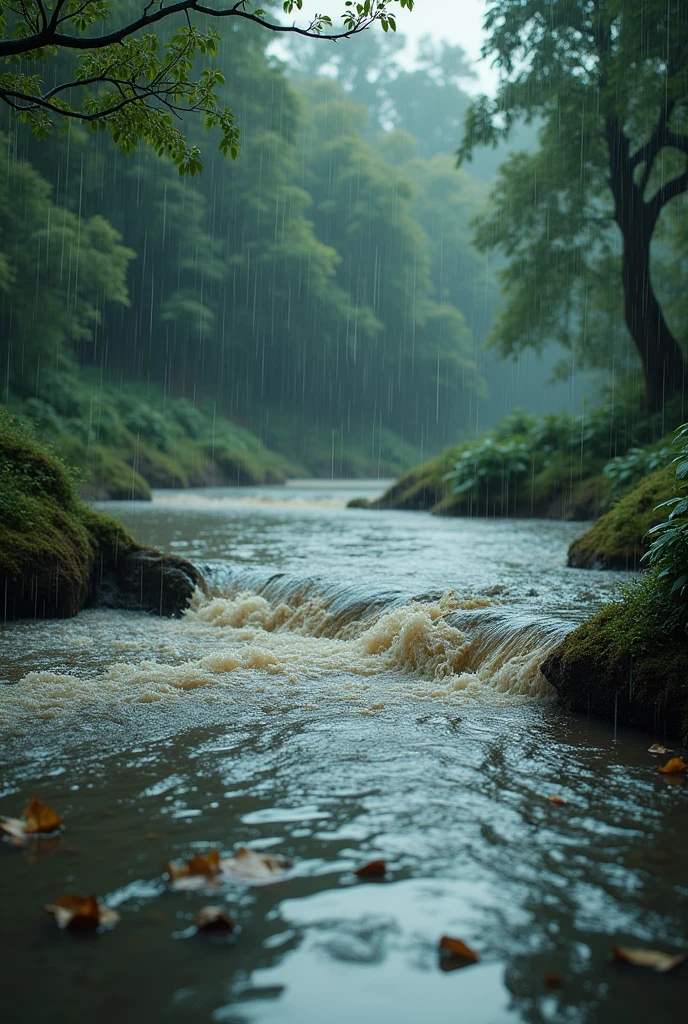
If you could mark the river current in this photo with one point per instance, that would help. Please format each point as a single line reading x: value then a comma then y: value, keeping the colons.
x: 356, y: 685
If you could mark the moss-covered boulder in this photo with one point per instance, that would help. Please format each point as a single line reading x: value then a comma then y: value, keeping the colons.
x: 58, y: 556
x: 618, y: 540
x: 627, y: 664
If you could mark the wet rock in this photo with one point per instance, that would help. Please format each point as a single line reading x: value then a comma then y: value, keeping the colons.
x: 144, y: 579
x: 358, y: 503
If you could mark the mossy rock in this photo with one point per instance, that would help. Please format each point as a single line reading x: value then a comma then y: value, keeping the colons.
x: 57, y: 555
x: 618, y: 540
x: 595, y: 671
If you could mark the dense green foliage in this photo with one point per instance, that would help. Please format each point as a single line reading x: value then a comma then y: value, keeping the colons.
x: 126, y: 439
x: 320, y: 291
x: 560, y: 464
x: 607, y: 84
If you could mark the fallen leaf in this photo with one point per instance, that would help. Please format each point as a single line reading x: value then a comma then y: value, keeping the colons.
x: 254, y: 867
x: 558, y: 800
x: 37, y: 819
x: 554, y: 980
x: 153, y: 835
x: 195, y: 873
x: 672, y: 767
x: 455, y: 954
x: 81, y: 913
x: 214, y: 919
x: 653, y: 958
x: 374, y: 869
x: 657, y: 748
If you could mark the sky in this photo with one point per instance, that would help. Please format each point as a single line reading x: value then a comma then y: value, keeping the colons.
x: 457, y: 21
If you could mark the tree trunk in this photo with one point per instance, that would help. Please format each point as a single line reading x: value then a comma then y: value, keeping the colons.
x: 664, y: 366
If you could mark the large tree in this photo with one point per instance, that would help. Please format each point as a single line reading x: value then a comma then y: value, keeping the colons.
x: 118, y: 77
x: 607, y: 81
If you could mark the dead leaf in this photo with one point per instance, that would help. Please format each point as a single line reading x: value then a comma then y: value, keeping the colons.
x: 254, y: 867
x: 374, y: 869
x: 197, y: 873
x: 37, y: 819
x: 673, y: 767
x: 558, y: 800
x: 657, y: 748
x: 554, y: 980
x: 653, y: 958
x: 214, y: 919
x: 454, y: 953
x: 82, y: 913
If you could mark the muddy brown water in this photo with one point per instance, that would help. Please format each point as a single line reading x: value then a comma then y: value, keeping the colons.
x: 358, y: 685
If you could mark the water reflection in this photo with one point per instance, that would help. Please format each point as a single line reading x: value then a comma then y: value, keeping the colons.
x: 458, y: 807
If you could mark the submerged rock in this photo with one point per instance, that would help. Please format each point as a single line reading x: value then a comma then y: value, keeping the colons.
x: 143, y: 579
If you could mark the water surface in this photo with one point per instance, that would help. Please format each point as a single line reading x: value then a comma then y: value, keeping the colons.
x: 357, y: 685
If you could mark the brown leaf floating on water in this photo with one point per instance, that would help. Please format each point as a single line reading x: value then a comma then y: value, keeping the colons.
x: 673, y: 766
x: 652, y: 958
x: 214, y: 919
x: 558, y: 800
x: 374, y: 869
x: 82, y: 913
x: 657, y: 748
x: 256, y: 868
x: 37, y: 819
x: 454, y: 954
x: 197, y: 873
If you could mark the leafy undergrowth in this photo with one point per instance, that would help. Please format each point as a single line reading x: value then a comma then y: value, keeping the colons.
x: 48, y: 537
x: 127, y: 438
x: 552, y: 466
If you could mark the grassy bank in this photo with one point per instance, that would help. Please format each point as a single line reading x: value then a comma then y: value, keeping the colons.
x: 619, y: 538
x: 629, y: 662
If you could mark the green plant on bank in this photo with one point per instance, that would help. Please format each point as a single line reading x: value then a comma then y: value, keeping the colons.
x: 668, y: 552
x: 625, y: 471
x: 490, y: 463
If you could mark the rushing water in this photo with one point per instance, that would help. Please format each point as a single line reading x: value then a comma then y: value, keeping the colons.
x: 357, y: 685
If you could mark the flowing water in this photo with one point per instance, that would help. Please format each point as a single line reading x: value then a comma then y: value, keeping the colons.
x: 357, y: 685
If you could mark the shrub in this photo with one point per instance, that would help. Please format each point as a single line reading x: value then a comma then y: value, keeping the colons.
x: 668, y: 552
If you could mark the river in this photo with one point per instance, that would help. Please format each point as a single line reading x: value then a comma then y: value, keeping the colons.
x: 357, y: 685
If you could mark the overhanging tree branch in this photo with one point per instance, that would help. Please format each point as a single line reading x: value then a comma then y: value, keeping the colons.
x: 49, y: 36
